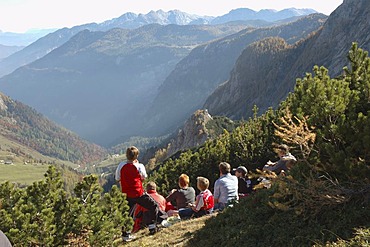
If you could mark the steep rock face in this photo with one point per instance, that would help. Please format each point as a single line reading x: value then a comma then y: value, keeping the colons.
x: 3, y: 106
x: 198, y: 75
x: 350, y: 22
x: 249, y: 85
x: 250, y: 81
x: 194, y: 133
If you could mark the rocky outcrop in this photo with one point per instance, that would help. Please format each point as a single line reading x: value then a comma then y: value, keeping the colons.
x: 194, y: 133
x: 3, y: 106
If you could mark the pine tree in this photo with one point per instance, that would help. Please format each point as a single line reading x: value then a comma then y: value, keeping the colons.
x: 44, y: 215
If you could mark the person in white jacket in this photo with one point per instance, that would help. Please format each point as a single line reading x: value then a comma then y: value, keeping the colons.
x: 284, y: 163
x: 4, y: 241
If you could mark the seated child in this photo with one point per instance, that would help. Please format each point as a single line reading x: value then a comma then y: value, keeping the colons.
x: 183, y: 196
x: 204, y: 202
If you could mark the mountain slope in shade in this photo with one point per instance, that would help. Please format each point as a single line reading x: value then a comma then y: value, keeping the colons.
x: 92, y: 83
x: 198, y: 75
x: 6, y: 50
x: 249, y: 85
x: 39, y: 48
x: 22, y: 124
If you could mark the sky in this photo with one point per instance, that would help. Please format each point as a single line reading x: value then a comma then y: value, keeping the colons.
x: 22, y: 15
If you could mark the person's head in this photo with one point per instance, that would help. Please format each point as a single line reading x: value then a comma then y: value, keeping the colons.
x: 183, y: 181
x: 241, y: 172
x: 151, y: 186
x: 224, y: 167
x: 202, y: 183
x: 282, y: 150
x: 132, y: 153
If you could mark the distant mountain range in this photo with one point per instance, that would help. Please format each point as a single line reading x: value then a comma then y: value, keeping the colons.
x: 22, y: 39
x: 44, y: 42
x: 269, y: 15
x: 131, y: 20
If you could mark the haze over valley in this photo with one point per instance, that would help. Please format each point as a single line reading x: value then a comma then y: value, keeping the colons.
x: 145, y: 75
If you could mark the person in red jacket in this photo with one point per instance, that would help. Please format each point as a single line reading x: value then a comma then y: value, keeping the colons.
x: 131, y: 185
x: 204, y: 202
x: 140, y: 216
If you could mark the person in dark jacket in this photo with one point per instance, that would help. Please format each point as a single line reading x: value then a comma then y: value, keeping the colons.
x: 244, y: 183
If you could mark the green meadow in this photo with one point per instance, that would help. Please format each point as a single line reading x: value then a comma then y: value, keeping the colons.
x: 21, y: 173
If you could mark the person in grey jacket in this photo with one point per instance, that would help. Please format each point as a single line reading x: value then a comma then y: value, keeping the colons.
x: 226, y: 187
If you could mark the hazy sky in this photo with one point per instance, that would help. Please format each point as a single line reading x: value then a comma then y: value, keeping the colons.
x: 22, y: 15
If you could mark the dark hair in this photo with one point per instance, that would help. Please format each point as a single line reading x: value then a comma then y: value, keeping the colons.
x: 132, y: 153
x: 242, y: 170
x: 224, y: 167
x: 283, y: 148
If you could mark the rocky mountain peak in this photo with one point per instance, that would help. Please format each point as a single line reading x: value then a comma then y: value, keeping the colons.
x: 193, y: 133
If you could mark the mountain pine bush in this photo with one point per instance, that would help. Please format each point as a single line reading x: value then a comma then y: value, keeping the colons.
x: 44, y: 215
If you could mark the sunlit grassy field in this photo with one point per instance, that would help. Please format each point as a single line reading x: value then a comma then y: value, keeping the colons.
x: 19, y: 172
x: 23, y: 174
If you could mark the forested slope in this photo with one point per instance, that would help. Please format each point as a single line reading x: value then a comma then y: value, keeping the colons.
x: 21, y: 123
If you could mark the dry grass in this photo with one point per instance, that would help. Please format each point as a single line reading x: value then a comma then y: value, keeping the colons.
x: 176, y: 235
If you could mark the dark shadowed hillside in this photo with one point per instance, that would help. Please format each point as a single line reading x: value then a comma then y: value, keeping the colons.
x: 22, y: 124
x: 264, y: 81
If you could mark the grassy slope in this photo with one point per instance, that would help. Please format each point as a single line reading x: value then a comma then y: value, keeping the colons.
x: 23, y: 174
x: 176, y: 235
x: 18, y: 171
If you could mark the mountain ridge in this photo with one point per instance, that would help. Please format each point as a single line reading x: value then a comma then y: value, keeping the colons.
x: 327, y: 47
x: 127, y: 21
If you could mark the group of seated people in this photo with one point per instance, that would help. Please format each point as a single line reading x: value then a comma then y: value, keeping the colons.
x: 228, y: 188
x: 184, y: 202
